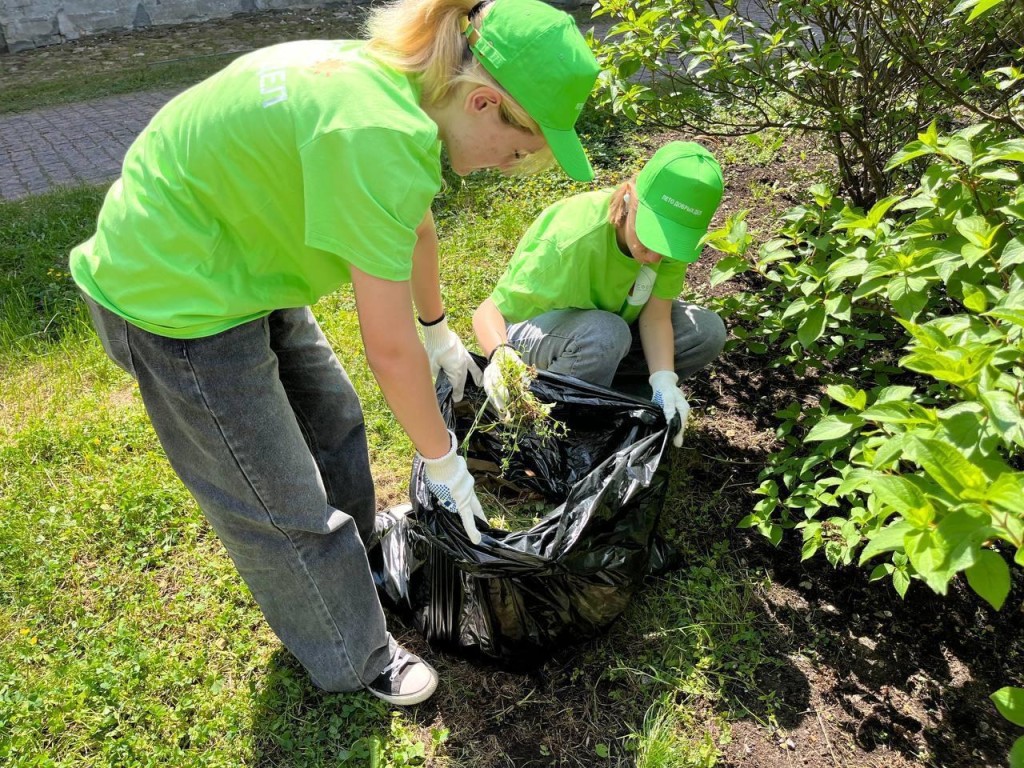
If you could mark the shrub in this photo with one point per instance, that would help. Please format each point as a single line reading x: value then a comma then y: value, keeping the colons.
x: 865, y: 74
x: 914, y: 457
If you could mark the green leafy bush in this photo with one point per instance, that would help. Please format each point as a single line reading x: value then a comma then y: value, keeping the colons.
x: 913, y: 315
x: 864, y: 74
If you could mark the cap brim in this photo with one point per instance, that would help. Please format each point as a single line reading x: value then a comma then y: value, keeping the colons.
x: 671, y: 240
x: 568, y: 151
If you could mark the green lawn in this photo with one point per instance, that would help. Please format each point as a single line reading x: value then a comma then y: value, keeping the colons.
x: 129, y: 640
x: 177, y: 74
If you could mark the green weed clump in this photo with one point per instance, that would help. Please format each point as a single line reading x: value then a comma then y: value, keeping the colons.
x: 525, y: 415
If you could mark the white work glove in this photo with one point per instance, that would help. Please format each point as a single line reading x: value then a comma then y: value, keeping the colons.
x: 447, y: 353
x: 494, y: 383
x: 449, y: 480
x: 671, y: 399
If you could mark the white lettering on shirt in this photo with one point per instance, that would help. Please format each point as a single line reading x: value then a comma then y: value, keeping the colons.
x: 272, y: 87
x: 681, y: 205
x: 642, y: 287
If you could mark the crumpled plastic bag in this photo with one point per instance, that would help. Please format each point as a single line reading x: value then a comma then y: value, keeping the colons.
x: 517, y: 596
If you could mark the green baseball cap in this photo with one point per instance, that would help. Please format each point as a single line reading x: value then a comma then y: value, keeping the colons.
x: 678, y: 192
x: 538, y: 55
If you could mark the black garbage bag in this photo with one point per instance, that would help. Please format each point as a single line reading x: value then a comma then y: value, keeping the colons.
x: 517, y: 596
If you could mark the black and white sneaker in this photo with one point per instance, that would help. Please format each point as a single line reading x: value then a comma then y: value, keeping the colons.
x: 406, y: 680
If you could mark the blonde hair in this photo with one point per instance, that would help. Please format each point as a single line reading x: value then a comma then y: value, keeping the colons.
x: 424, y: 38
x: 617, y: 208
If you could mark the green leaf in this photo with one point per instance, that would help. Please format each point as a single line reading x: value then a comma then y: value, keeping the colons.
x: 796, y: 307
x: 990, y: 577
x: 897, y: 393
x: 809, y: 548
x: 890, y: 451
x: 977, y: 230
x: 602, y: 750
x: 930, y: 137
x: 958, y: 148
x: 727, y: 268
x: 1010, y: 703
x: 948, y: 467
x: 887, y: 539
x: 959, y: 537
x: 1007, y: 493
x: 982, y: 6
x: 1013, y: 253
x: 1013, y: 316
x: 911, y: 151
x: 904, y: 497
x: 834, y: 427
x: 974, y: 298
x: 844, y: 267
x: 1017, y: 752
x: 855, y: 479
x: 1012, y: 150
x: 881, y: 268
x: 962, y: 426
x: 848, y: 396
x: 938, y: 554
x: 812, y: 326
x: 927, y: 336
x: 879, y: 209
x: 892, y: 412
x: 907, y: 295
x: 1000, y: 174
x: 1005, y: 414
x: 900, y: 581
x: 927, y: 559
x: 880, y: 571
x: 822, y: 195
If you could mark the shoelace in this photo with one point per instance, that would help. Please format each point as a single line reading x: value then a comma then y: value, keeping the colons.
x: 397, y: 664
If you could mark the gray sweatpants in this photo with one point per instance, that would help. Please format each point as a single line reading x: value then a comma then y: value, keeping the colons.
x: 602, y: 348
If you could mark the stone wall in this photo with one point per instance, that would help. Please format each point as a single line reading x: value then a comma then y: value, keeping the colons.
x: 34, y: 23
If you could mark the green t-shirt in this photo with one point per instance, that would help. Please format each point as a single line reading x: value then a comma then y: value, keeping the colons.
x: 569, y: 259
x: 257, y: 188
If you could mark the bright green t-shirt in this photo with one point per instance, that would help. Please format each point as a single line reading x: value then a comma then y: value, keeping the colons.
x: 256, y: 189
x: 569, y: 259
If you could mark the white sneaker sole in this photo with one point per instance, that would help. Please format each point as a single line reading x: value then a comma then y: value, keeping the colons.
x: 408, y: 699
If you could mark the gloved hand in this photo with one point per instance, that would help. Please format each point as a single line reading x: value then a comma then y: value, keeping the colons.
x: 494, y: 382
x: 446, y: 352
x: 449, y: 480
x: 671, y: 399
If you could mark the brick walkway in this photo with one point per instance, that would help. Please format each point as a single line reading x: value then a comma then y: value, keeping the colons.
x: 71, y: 144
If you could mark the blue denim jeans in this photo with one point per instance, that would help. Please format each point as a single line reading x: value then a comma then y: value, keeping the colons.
x: 263, y: 426
x: 602, y: 348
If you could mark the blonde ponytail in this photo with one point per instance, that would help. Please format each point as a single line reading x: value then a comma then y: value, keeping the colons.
x: 424, y: 38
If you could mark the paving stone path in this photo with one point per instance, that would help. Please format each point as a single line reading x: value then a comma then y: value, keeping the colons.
x: 71, y: 144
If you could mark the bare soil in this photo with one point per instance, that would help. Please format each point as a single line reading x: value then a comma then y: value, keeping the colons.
x: 860, y: 678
